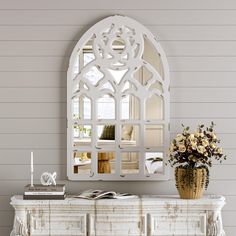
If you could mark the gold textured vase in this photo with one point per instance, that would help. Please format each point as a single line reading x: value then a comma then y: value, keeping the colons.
x: 190, y: 182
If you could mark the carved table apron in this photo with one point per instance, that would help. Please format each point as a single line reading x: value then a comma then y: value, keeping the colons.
x: 143, y: 216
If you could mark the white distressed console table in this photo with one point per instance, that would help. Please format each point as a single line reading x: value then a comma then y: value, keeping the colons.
x: 143, y: 216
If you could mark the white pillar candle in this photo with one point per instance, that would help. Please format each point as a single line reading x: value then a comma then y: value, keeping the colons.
x: 32, y: 168
x: 32, y: 162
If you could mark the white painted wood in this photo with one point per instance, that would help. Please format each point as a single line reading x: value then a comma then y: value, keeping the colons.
x: 137, y: 40
x: 147, y: 215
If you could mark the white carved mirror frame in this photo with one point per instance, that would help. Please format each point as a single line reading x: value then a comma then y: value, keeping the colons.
x: 118, y: 104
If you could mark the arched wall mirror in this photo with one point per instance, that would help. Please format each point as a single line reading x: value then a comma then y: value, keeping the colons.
x: 117, y: 104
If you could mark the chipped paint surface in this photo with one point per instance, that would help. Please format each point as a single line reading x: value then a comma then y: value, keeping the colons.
x: 144, y: 216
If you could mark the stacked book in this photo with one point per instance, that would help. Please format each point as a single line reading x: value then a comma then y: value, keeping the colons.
x: 38, y: 192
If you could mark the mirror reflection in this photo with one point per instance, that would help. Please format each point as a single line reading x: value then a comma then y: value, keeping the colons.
x: 153, y: 163
x: 106, y: 162
x: 129, y: 163
x: 82, y: 162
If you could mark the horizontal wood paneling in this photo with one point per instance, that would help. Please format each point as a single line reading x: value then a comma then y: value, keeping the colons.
x: 64, y: 48
x: 41, y: 156
x: 122, y: 4
x: 18, y: 141
x: 230, y: 230
x: 53, y: 64
x: 5, y: 203
x: 33, y: 95
x: 6, y: 217
x: 229, y: 218
x: 167, y: 32
x: 23, y: 32
x: 5, y: 231
x: 230, y: 203
x: 202, y: 63
x: 44, y: 64
x: 199, y: 48
x: 38, y: 48
x: 203, y: 110
x: 22, y: 172
x: 202, y: 95
x: 58, y: 79
x: 203, y: 79
x: 221, y: 125
x: 33, y: 110
x: 33, y: 126
x: 147, y: 17
x: 178, y: 95
x: 17, y: 79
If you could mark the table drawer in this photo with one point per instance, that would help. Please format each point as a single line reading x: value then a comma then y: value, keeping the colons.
x: 117, y: 225
x: 51, y: 223
x: 163, y: 224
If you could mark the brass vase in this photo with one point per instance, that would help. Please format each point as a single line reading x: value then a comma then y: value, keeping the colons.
x: 190, y: 182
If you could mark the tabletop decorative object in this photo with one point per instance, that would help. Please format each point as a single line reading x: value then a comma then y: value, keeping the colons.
x: 193, y: 154
x: 48, y: 178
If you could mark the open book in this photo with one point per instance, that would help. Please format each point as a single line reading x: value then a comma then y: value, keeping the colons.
x: 100, y: 194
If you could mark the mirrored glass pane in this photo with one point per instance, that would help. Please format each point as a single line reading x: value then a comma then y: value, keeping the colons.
x: 88, y: 56
x: 106, y: 162
x: 82, y: 108
x: 130, y: 135
x: 153, y: 163
x: 143, y: 75
x: 118, y: 74
x: 106, y: 135
x: 154, y: 108
x: 94, y: 75
x: 129, y: 163
x: 106, y: 107
x: 153, y: 135
x: 82, y: 135
x: 130, y: 108
x: 152, y: 56
x: 82, y: 162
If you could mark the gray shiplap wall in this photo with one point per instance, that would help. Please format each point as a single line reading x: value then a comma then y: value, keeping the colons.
x: 36, y: 38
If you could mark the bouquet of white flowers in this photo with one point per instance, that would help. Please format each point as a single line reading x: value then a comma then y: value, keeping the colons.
x: 192, y: 154
x: 195, y: 149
